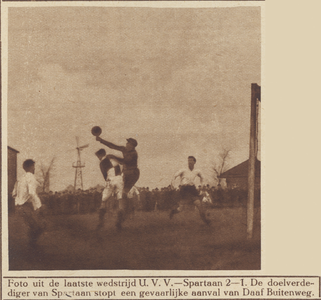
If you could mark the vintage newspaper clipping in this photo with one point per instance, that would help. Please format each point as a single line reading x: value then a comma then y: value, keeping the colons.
x: 160, y: 150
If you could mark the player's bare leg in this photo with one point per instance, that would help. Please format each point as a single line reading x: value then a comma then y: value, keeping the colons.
x: 121, y: 214
x: 202, y: 211
x: 36, y: 225
x: 102, y: 209
x: 130, y: 178
x: 176, y: 210
x: 101, y: 214
x: 173, y: 212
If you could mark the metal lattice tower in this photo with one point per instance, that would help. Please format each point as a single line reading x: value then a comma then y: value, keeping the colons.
x: 78, y: 166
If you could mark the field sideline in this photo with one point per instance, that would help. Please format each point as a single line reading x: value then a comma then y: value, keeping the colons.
x: 149, y: 241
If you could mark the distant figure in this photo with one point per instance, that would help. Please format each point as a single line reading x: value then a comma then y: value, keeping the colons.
x: 113, y: 182
x: 130, y: 172
x: 188, y: 192
x: 219, y: 194
x: 28, y: 203
x: 148, y: 199
x: 206, y: 198
x: 133, y: 192
x: 133, y: 200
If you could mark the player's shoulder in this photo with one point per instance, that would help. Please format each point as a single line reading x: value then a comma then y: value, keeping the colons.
x: 105, y: 163
x: 22, y: 179
x: 132, y: 152
x: 28, y: 176
x: 105, y: 160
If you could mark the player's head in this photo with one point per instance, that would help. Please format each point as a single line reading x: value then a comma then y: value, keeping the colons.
x: 131, y: 144
x: 29, y: 166
x: 191, y: 161
x: 100, y: 153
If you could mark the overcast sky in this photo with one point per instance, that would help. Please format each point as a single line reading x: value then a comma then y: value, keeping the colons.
x: 176, y: 79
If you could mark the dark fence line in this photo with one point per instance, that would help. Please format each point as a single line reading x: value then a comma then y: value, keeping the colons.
x: 84, y: 202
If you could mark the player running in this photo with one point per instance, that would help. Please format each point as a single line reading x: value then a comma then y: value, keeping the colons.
x: 28, y: 203
x: 130, y: 171
x: 188, y: 191
x: 114, y: 182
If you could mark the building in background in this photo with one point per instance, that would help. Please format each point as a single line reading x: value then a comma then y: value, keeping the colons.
x: 12, y: 176
x: 237, y: 177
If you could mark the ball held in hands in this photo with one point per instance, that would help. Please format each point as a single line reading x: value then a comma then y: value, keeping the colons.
x: 96, y: 131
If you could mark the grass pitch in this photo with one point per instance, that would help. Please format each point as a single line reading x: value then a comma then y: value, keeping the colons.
x: 148, y: 241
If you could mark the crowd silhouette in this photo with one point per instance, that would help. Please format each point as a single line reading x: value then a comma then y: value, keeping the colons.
x: 165, y: 198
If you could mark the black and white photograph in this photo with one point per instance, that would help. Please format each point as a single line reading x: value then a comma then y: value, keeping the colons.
x: 160, y: 150
x: 134, y: 137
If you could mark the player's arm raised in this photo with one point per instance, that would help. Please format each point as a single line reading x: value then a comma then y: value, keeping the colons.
x: 120, y: 160
x: 109, y: 144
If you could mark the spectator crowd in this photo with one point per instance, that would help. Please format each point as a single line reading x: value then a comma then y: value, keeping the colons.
x: 88, y: 201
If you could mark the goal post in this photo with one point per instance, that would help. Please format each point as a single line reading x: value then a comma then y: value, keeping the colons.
x: 255, y: 96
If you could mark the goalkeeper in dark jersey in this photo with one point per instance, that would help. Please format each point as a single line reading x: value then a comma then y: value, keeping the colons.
x: 130, y: 171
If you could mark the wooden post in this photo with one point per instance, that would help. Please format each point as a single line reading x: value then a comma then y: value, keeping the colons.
x: 255, y: 94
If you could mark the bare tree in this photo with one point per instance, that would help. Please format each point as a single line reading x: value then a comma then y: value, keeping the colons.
x: 221, y: 165
x: 46, y: 172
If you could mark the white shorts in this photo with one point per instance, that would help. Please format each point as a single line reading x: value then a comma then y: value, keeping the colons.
x: 114, y: 185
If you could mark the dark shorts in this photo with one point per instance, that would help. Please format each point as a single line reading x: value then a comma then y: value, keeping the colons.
x: 188, y: 193
x: 131, y: 176
x: 32, y: 219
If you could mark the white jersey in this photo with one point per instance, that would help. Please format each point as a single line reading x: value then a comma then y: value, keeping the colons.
x: 25, y: 190
x: 111, y: 171
x: 188, y: 176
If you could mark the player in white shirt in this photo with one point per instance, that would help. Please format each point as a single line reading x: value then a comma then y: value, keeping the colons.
x: 114, y: 183
x: 188, y: 191
x: 28, y: 203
